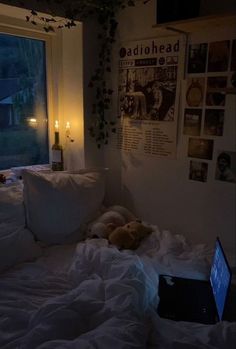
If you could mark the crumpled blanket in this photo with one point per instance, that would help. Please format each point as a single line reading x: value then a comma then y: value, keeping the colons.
x: 91, y: 295
x: 102, y: 301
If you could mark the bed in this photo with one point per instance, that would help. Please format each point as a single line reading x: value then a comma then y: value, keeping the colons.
x: 69, y: 290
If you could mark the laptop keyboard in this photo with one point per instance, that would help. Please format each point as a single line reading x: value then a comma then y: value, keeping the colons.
x: 186, y: 301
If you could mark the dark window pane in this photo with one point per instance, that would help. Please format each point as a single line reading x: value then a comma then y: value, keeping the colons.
x: 23, y: 102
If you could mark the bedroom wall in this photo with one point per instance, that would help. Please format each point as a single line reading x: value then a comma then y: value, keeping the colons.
x: 93, y: 155
x: 158, y: 189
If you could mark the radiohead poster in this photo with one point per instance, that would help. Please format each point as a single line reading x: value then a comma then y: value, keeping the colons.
x: 149, y: 78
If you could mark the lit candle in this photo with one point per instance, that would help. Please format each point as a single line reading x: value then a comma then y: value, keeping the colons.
x: 68, y: 132
x: 56, y: 126
x: 67, y: 125
x: 68, y: 129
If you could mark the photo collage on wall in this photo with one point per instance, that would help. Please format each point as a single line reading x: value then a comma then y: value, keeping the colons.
x: 211, y: 70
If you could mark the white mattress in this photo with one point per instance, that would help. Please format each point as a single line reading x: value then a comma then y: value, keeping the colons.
x: 91, y: 295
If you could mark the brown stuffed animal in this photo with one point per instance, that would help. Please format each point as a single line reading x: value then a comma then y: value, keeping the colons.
x: 129, y: 236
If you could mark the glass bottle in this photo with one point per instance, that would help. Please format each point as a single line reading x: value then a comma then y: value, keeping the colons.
x: 57, y: 154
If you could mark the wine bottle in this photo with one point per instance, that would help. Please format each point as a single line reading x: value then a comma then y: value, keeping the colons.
x: 57, y: 154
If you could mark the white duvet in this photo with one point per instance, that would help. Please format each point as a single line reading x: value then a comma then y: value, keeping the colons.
x: 91, y: 295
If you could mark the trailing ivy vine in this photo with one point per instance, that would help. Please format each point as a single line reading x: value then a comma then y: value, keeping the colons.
x: 105, y: 11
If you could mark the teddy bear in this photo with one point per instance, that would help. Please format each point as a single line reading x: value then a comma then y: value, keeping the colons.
x: 123, y: 211
x: 129, y: 236
x: 105, y: 224
x: 112, y: 217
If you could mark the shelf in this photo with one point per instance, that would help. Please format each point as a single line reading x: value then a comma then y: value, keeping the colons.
x: 197, y: 24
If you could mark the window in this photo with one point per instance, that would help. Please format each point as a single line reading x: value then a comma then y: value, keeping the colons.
x: 23, y: 102
x: 48, y: 86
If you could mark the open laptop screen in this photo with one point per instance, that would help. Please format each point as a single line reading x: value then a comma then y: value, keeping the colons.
x: 220, y: 278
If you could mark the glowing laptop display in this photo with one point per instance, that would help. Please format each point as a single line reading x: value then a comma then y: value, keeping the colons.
x: 220, y: 278
x: 196, y: 300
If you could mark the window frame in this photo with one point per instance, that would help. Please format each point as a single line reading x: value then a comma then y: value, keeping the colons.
x: 64, y: 76
x: 22, y: 32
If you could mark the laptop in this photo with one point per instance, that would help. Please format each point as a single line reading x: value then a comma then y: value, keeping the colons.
x: 193, y: 300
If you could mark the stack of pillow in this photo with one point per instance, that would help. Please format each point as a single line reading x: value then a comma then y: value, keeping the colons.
x: 58, y: 204
x: 50, y: 207
x: 16, y: 243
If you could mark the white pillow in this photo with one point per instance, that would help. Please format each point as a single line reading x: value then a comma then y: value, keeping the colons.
x: 59, y: 204
x: 19, y: 169
x: 16, y: 247
x: 16, y: 243
x: 11, y: 203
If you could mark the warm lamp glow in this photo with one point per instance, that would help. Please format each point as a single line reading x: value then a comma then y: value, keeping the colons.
x: 32, y: 122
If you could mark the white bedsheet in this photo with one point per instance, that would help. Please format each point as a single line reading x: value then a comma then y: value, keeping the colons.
x: 91, y: 295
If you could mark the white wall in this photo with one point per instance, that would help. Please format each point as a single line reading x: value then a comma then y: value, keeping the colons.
x: 93, y: 155
x: 158, y: 190
x: 71, y: 95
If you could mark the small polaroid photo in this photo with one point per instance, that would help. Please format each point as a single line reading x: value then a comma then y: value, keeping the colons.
x: 218, y: 57
x: 198, y: 171
x: 200, y: 148
x: 226, y: 166
x: 216, y: 91
x: 214, y: 122
x: 195, y: 92
x: 197, y: 55
x: 192, y: 122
